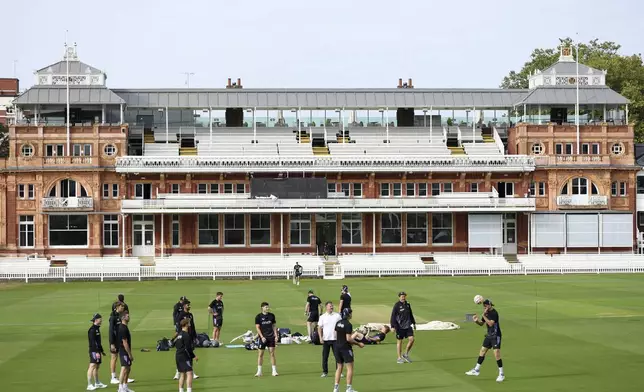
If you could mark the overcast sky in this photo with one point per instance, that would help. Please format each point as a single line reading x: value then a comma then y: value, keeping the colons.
x: 299, y: 43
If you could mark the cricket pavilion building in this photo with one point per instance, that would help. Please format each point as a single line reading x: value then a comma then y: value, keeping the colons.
x: 158, y: 172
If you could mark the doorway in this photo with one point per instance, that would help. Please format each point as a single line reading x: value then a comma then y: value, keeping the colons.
x: 325, y: 234
x: 510, y: 233
x: 143, y: 235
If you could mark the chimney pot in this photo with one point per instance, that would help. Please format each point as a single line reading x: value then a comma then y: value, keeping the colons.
x: 229, y: 82
x: 400, y: 83
x: 410, y: 85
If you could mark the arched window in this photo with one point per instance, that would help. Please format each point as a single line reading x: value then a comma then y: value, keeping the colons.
x: 579, y: 186
x: 67, y: 188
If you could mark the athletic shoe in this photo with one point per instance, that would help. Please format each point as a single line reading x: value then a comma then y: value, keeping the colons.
x: 258, y: 374
x: 473, y: 372
x: 500, y: 378
x: 100, y: 385
x: 91, y: 387
x: 351, y: 390
x: 130, y: 381
x: 275, y: 374
x: 194, y: 376
x: 324, y: 375
x: 127, y: 389
x: 114, y: 381
x: 400, y: 360
x: 406, y: 358
x: 176, y: 376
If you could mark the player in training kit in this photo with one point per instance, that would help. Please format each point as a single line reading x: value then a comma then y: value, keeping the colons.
x: 490, y: 319
x: 266, y: 326
x: 125, y: 352
x: 216, y: 310
x: 96, y: 353
x: 185, y: 355
x: 178, y: 308
x: 185, y: 314
x: 326, y: 330
x: 376, y: 338
x: 120, y: 299
x: 402, y: 320
x: 297, y: 272
x: 343, y: 351
x: 345, y: 299
x: 312, y: 311
x: 113, y: 330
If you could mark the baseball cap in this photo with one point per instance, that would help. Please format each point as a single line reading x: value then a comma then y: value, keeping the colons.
x: 184, y: 299
x: 96, y: 317
x: 488, y: 302
x: 345, y: 288
x: 310, y: 291
x: 402, y: 293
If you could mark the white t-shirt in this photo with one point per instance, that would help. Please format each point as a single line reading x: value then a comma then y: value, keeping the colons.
x: 327, y: 323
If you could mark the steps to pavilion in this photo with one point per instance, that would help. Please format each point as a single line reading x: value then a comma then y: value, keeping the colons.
x: 343, y: 139
x: 488, y: 139
x: 188, y: 151
x: 457, y: 150
x: 303, y: 137
x: 321, y: 150
x: 511, y: 258
x: 148, y: 135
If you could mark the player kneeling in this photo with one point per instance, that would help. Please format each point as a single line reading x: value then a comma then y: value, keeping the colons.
x: 184, y: 356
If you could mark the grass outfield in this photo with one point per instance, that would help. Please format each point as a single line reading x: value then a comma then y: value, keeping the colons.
x: 586, y: 334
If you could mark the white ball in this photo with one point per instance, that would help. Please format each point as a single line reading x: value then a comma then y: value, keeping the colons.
x: 478, y: 299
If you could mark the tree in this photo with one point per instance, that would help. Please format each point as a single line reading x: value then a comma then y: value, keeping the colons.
x: 625, y: 73
x: 4, y: 141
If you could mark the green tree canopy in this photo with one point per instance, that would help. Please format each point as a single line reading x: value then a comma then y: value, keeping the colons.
x: 625, y: 72
x: 4, y: 141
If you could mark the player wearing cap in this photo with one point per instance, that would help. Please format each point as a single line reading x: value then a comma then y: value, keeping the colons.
x: 178, y: 307
x: 326, y: 331
x: 96, y: 353
x: 343, y: 351
x: 120, y: 299
x: 312, y: 311
x: 185, y: 314
x: 266, y: 326
x: 125, y: 352
x: 185, y: 355
x: 402, y: 320
x: 297, y: 272
x: 490, y: 319
x: 345, y: 299
x: 113, y: 330
x: 216, y: 310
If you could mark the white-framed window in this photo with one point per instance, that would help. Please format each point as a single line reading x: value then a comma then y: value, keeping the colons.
x: 417, y: 228
x: 176, y: 231
x: 53, y: 150
x: 110, y: 231
x: 260, y: 229
x: 622, y: 189
x: 31, y: 191
x: 214, y: 188
x: 442, y: 229
x: 397, y: 189
x: 143, y: 191
x: 208, y: 229
x: 300, y: 229
x: 109, y: 150
x: 618, y: 188
x: 351, y: 229
x: 110, y: 190
x: 330, y: 187
x: 27, y: 150
x: 568, y: 150
x: 537, y: 148
x: 21, y: 191
x: 384, y: 190
x: 617, y: 149
x: 422, y: 189
x: 537, y: 189
x: 240, y: 188
x: 436, y: 189
x: 115, y: 191
x: 26, y: 231
x: 68, y: 231
x: 357, y: 189
x: 82, y: 150
x: 175, y: 189
x: 345, y: 188
x: 474, y: 187
x: 202, y: 188
x: 234, y: 230
x: 410, y: 189
x: 594, y: 149
x: 559, y: 149
x: 585, y: 148
x: 228, y: 187
x: 579, y: 186
x: 106, y: 191
x: 390, y: 228
x: 67, y: 188
x: 447, y: 187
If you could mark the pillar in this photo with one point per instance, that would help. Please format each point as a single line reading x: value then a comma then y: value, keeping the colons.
x: 282, y: 235
x: 103, y: 115
x: 373, y: 233
x: 121, y: 113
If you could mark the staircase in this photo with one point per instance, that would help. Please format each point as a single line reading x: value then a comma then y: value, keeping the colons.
x: 148, y: 135
x: 457, y: 150
x: 343, y: 139
x: 321, y: 150
x: 488, y: 139
x: 332, y: 269
x: 188, y: 151
x: 303, y: 137
x: 511, y: 258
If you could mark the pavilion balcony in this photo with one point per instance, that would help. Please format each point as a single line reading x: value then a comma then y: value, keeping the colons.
x: 582, y: 201
x: 67, y: 160
x: 68, y: 203
x: 367, y: 164
x: 566, y: 160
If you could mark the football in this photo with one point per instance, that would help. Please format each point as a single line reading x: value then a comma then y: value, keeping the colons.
x: 478, y: 299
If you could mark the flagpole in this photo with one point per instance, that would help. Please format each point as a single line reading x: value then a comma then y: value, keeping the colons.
x: 67, y: 86
x: 577, y: 88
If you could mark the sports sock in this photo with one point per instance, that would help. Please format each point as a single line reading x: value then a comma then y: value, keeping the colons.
x: 500, y: 365
x: 89, y: 381
x: 274, y: 369
x: 259, y: 368
x: 113, y: 375
x: 189, y: 390
x: 180, y: 389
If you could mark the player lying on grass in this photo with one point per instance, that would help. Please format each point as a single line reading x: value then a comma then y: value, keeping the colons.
x: 377, y: 337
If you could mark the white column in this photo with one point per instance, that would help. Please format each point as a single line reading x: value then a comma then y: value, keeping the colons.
x: 35, y: 114
x: 387, y: 123
x: 604, y: 119
x: 373, y: 233
x: 162, y: 239
x: 167, y: 124
x: 254, y: 127
x: 324, y: 126
x: 599, y: 232
x: 282, y: 235
x: 123, y: 235
x: 299, y: 126
x: 210, y: 121
x: 430, y: 124
x: 121, y: 113
x: 529, y: 234
x: 473, y: 125
x: 539, y: 113
x: 103, y: 115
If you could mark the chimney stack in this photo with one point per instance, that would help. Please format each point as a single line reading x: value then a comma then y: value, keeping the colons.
x: 400, y: 83
x: 410, y: 85
x: 239, y: 85
x: 229, y: 83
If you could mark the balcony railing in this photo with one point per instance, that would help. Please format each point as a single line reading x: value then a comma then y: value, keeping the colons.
x: 73, y: 160
x: 562, y: 160
x: 65, y: 203
x: 575, y: 201
x: 393, y: 163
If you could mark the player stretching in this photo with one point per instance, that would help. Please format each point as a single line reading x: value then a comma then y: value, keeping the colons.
x: 312, y: 311
x: 96, y: 353
x: 184, y: 356
x: 216, y: 310
x: 125, y: 352
x: 402, y: 320
x: 492, y: 339
x: 266, y: 326
x: 343, y: 351
x: 297, y: 272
